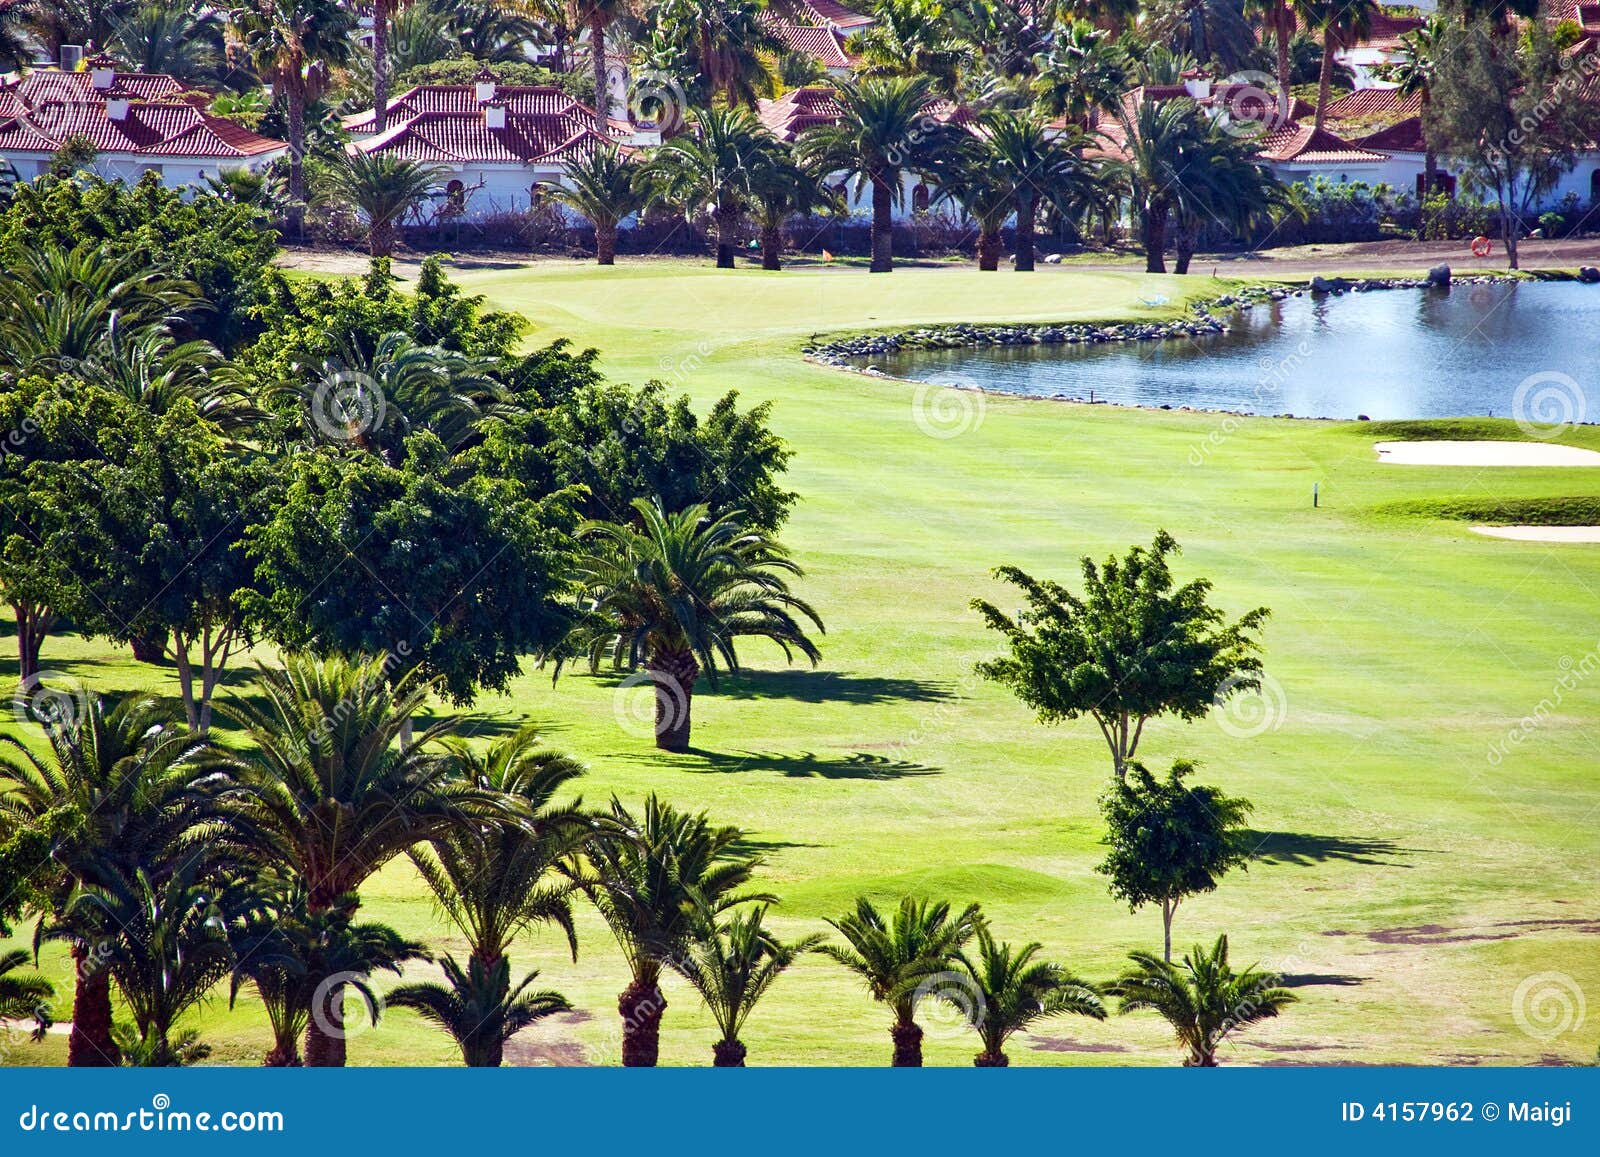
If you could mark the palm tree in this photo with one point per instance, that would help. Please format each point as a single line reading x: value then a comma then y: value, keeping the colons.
x: 1412, y: 74
x: 181, y: 40
x: 1081, y: 73
x: 985, y: 196
x: 494, y: 31
x: 1202, y: 998
x: 604, y: 186
x: 146, y: 794
x: 883, y: 131
x: 479, y: 1007
x: 23, y: 996
x: 910, y: 38
x: 1011, y: 990
x: 497, y: 881
x: 1221, y: 182
x: 1042, y: 168
x: 1279, y: 17
x: 1213, y: 31
x: 53, y: 23
x: 291, y: 956
x: 652, y: 877
x: 293, y: 45
x: 897, y: 956
x: 781, y: 188
x: 335, y: 790
x: 601, y: 15
x: 709, y: 169
x: 732, y: 965
x: 1341, y: 23
x: 1158, y: 136
x: 724, y: 44
x: 384, y: 187
x: 675, y: 594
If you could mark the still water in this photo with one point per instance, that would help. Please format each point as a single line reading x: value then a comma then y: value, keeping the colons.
x: 1386, y: 354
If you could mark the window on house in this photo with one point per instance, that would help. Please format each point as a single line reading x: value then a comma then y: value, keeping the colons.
x: 919, y: 199
x: 456, y: 193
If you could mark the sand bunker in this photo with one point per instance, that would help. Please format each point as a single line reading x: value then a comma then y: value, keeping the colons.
x: 1485, y: 453
x: 1542, y: 533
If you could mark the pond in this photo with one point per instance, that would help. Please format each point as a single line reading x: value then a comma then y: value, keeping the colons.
x: 1399, y: 353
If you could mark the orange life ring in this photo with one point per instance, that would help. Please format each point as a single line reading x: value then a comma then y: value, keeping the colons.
x: 1482, y: 247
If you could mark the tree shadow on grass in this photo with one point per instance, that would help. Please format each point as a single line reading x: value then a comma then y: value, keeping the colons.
x: 1320, y: 979
x: 1303, y: 849
x: 801, y: 765
x: 805, y: 686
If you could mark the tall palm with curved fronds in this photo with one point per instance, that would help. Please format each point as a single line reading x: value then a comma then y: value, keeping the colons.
x: 1412, y: 73
x: 479, y: 1007
x: 724, y: 44
x: 295, y: 958
x: 401, y: 387
x: 896, y: 957
x: 652, y: 877
x: 732, y: 964
x: 1340, y: 23
x: 61, y: 308
x: 604, y: 186
x: 336, y: 786
x: 294, y: 45
x: 1008, y: 990
x: 384, y: 188
x: 883, y: 131
x: 780, y: 188
x: 1158, y: 137
x: 985, y: 196
x: 675, y: 594
x: 1215, y: 32
x: 601, y: 15
x: 24, y: 995
x: 708, y: 169
x: 146, y: 794
x: 912, y: 38
x: 495, y: 882
x: 1081, y: 72
x: 1043, y: 168
x: 1279, y: 18
x: 1201, y: 997
x: 495, y: 31
x: 1222, y: 182
x: 181, y: 40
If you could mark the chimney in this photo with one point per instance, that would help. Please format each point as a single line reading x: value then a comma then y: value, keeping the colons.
x: 117, y: 107
x: 102, y: 72
x: 71, y: 57
x: 494, y: 114
x: 1197, y: 87
x: 485, y: 83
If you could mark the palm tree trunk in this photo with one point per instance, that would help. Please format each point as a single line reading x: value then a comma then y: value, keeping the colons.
x: 325, y: 1047
x: 726, y: 224
x: 641, y: 1006
x: 995, y: 1059
x: 728, y: 1054
x: 89, y: 1044
x: 1281, y: 35
x: 907, y: 1039
x: 674, y: 675
x: 282, y: 1055
x: 1183, y: 241
x: 605, y: 242
x: 297, y: 160
x: 1330, y: 45
x: 771, y: 247
x: 988, y: 250
x: 1025, y: 213
x: 597, y: 48
x: 380, y: 64
x: 882, y: 225
x: 1155, y: 243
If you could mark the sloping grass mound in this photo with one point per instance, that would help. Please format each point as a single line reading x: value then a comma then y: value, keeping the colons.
x: 1442, y: 430
x: 1576, y: 510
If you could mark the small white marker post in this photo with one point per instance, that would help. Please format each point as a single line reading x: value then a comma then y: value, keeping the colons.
x: 1314, y: 496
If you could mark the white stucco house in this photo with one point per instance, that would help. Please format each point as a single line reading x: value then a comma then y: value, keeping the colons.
x: 137, y: 123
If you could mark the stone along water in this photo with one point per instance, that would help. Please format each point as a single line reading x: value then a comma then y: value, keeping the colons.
x: 1387, y: 354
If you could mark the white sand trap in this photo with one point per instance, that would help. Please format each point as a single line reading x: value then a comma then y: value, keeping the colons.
x: 1542, y: 533
x: 1485, y: 453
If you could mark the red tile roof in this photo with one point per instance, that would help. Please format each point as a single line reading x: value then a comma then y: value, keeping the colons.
x: 824, y: 12
x: 45, y: 85
x: 1306, y: 145
x: 1387, y: 28
x: 446, y: 124
x: 796, y: 111
x: 1404, y: 137
x: 821, y: 44
x: 1373, y: 104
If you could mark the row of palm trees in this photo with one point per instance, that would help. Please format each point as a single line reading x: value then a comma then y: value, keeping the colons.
x: 188, y: 865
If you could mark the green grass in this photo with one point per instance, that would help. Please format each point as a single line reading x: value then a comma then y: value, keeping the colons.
x: 1402, y: 648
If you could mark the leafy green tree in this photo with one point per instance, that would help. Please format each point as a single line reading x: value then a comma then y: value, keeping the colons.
x: 24, y: 995
x: 901, y: 957
x: 384, y: 187
x: 651, y: 877
x: 675, y: 594
x: 708, y: 169
x: 303, y: 962
x: 294, y: 45
x: 1131, y: 649
x: 1169, y: 840
x: 732, y: 964
x: 604, y: 187
x: 883, y: 131
x: 479, y: 1007
x: 446, y: 572
x: 144, y: 794
x: 335, y: 790
x: 1202, y: 998
x: 1010, y: 990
